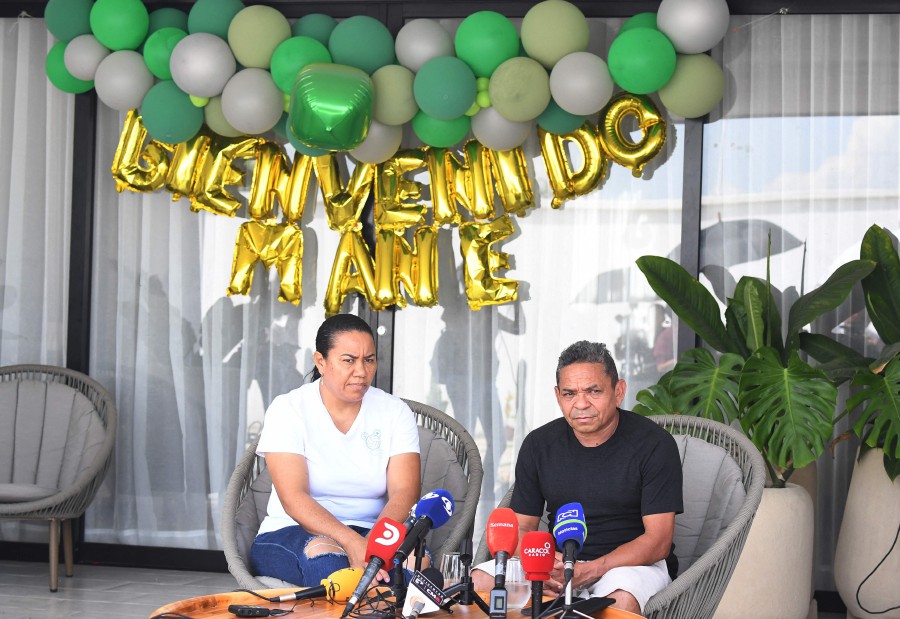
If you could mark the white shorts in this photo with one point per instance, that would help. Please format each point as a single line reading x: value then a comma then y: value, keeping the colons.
x: 641, y: 581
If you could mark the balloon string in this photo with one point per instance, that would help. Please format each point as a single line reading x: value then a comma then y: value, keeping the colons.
x: 782, y: 11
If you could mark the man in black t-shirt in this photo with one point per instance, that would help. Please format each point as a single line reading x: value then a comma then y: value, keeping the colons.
x: 625, y: 471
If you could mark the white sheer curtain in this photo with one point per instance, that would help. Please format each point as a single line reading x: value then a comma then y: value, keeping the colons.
x: 36, y: 123
x: 806, y: 142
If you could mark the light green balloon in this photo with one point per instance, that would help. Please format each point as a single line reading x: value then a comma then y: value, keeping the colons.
x: 254, y: 34
x: 696, y: 86
x: 158, y: 50
x: 553, y: 29
x: 641, y: 20
x: 55, y: 66
x: 520, y: 89
x: 215, y: 119
x: 394, y: 102
x: 294, y: 54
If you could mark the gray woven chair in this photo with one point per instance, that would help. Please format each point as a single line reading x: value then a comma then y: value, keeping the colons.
x: 450, y: 460
x: 724, y: 475
x: 57, y: 430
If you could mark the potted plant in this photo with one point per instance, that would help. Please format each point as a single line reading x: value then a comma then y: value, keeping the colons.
x: 865, y: 568
x: 783, y: 404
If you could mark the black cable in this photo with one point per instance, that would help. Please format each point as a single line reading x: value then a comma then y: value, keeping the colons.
x: 859, y: 588
x: 171, y: 615
x: 252, y: 592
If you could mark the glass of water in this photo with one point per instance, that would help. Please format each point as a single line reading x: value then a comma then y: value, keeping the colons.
x: 451, y: 569
x: 518, y: 589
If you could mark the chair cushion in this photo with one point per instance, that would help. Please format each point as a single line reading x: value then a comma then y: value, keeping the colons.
x: 713, y: 494
x: 251, y: 511
x: 441, y: 469
x: 20, y: 493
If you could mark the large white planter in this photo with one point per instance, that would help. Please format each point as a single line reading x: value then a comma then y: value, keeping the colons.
x: 773, y: 577
x: 868, y: 530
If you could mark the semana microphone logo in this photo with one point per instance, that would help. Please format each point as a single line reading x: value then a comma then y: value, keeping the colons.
x: 389, y: 536
x: 507, y: 525
x: 537, y: 551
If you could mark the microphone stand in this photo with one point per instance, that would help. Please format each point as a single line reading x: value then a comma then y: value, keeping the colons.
x: 398, y: 585
x: 568, y: 611
x: 463, y: 593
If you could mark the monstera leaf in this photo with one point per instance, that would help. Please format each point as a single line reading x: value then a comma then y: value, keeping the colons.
x: 788, y: 412
x: 882, y: 287
x: 655, y: 400
x: 878, y: 396
x: 703, y: 388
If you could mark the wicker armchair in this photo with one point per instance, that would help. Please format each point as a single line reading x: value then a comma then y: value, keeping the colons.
x: 450, y: 460
x: 57, y: 430
x: 724, y: 476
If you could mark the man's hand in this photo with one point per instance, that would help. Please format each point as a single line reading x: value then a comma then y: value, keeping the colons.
x: 586, y: 573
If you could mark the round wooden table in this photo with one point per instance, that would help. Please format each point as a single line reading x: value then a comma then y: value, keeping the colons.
x: 216, y: 605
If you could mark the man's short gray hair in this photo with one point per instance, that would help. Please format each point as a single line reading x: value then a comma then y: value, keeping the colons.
x: 588, y: 352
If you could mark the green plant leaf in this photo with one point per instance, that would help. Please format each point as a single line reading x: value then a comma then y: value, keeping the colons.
x: 839, y: 362
x: 878, y: 397
x: 688, y: 298
x: 753, y: 305
x: 825, y: 298
x: 735, y: 321
x: 888, y: 353
x: 788, y: 412
x: 654, y: 400
x: 702, y: 388
x: 882, y: 286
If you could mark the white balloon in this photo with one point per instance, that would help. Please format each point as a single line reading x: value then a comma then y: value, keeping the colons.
x: 581, y: 84
x: 122, y: 79
x: 251, y: 102
x: 83, y: 56
x: 381, y: 142
x: 693, y: 26
x: 496, y: 132
x: 201, y: 64
x: 420, y: 40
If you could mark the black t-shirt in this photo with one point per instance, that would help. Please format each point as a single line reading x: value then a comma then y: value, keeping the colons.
x: 635, y: 473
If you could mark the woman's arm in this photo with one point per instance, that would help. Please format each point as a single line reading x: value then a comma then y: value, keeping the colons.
x: 403, y: 486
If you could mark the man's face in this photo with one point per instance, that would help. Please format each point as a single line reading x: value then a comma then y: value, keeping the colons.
x: 589, y: 399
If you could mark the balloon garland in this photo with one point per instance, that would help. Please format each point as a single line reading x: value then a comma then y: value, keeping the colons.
x: 203, y: 88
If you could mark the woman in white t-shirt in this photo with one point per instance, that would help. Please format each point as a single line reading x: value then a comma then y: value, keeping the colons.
x: 342, y: 454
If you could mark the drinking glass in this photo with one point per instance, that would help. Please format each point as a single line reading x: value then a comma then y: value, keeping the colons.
x: 452, y: 569
x: 518, y: 589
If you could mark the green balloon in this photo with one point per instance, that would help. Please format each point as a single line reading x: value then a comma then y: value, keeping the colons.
x: 316, y: 25
x: 216, y: 121
x: 59, y: 75
x: 641, y: 20
x: 331, y: 106
x: 395, y: 103
x: 440, y: 133
x: 169, y: 115
x: 120, y: 24
x: 486, y: 39
x: 556, y: 120
x: 520, y: 89
x: 67, y: 19
x: 641, y: 60
x: 445, y: 87
x: 299, y: 146
x: 168, y: 18
x: 213, y: 16
x: 158, y: 50
x: 254, y: 34
x: 292, y: 55
x: 552, y: 29
x: 362, y: 42
x: 696, y: 86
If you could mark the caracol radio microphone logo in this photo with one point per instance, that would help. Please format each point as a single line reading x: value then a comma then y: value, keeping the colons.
x: 537, y: 551
x: 389, y: 536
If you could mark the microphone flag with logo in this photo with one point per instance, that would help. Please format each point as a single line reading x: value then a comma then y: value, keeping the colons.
x: 570, y: 529
x: 432, y: 511
x: 336, y: 587
x: 384, y: 539
x: 538, y: 556
x: 425, y: 593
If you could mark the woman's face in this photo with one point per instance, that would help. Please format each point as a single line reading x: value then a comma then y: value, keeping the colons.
x: 349, y: 368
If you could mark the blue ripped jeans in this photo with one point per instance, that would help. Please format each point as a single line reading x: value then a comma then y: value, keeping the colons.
x: 282, y: 554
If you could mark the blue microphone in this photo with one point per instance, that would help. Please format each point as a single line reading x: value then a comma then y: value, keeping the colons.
x: 569, y: 530
x: 432, y: 511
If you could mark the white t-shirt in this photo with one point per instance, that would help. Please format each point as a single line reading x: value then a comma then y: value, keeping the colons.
x: 347, y: 472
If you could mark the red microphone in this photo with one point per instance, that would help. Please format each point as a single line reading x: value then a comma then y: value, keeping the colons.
x: 384, y: 540
x: 537, y: 561
x: 502, y: 539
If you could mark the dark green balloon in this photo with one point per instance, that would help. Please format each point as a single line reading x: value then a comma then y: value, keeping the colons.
x: 158, y: 50
x: 556, y: 120
x: 641, y: 20
x: 445, y: 87
x: 168, y: 18
x: 213, y: 16
x: 67, y: 19
x: 169, y: 115
x: 362, y: 42
x: 440, y: 133
x: 59, y: 75
x: 641, y: 60
x: 120, y: 24
x: 316, y: 25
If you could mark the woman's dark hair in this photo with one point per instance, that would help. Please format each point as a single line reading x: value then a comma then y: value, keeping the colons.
x: 329, y: 330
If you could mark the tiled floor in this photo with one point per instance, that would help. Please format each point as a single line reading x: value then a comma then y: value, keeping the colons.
x: 109, y: 592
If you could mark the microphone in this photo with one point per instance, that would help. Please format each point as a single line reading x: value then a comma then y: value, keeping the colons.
x: 570, y: 529
x: 432, y: 511
x: 537, y: 562
x: 424, y: 594
x: 384, y: 539
x: 336, y: 587
x: 502, y: 539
